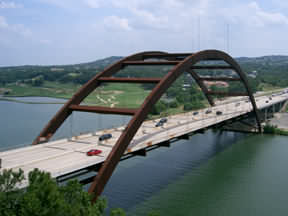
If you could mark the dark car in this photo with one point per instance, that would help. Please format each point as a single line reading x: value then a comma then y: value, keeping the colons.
x: 218, y: 113
x: 93, y: 152
x: 105, y: 137
x: 208, y: 111
x: 195, y: 113
x: 161, y: 122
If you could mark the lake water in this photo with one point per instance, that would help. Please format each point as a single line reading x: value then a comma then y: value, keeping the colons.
x: 21, y: 123
x: 216, y: 173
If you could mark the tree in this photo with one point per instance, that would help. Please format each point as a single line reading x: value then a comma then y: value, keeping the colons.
x: 43, y: 197
x: 159, y: 107
x: 37, y: 81
x: 193, y: 105
x: 9, y: 195
x: 173, y: 104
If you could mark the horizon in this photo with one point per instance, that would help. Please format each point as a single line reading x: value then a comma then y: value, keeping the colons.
x: 100, y: 59
x: 52, y: 32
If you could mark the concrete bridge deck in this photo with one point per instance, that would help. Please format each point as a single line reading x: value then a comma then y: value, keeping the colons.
x: 66, y: 156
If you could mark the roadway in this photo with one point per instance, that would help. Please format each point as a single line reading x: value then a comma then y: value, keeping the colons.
x: 65, y: 156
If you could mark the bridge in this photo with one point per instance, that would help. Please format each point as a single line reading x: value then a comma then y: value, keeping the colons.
x: 67, y: 158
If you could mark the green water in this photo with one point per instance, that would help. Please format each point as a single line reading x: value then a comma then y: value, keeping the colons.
x: 216, y: 173
x: 247, y: 178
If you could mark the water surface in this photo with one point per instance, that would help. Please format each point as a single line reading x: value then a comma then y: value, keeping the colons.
x: 216, y: 173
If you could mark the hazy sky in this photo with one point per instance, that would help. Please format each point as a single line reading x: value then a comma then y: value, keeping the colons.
x: 74, y: 31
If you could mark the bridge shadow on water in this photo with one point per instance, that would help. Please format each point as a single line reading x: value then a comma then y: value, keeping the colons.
x: 138, y: 178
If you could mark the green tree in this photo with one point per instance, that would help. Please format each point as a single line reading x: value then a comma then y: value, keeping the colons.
x: 159, y: 107
x: 9, y: 195
x: 193, y: 105
x: 43, y: 197
x: 173, y: 104
x: 117, y: 212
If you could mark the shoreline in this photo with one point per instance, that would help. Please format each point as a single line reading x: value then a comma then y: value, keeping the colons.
x: 281, y: 120
x: 15, y: 100
x: 278, y: 125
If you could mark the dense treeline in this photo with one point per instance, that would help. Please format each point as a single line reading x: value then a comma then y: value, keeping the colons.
x: 270, y: 69
x: 23, y: 75
x: 184, y: 93
x: 44, y: 197
x: 79, y: 73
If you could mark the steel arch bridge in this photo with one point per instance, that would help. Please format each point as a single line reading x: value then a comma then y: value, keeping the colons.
x: 182, y: 62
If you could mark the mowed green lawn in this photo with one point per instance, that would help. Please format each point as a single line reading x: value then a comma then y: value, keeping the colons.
x: 118, y: 95
x: 112, y: 94
x: 48, y: 89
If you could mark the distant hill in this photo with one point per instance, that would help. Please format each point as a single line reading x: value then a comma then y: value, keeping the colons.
x: 98, y: 64
x: 272, y: 60
x: 268, y: 69
x: 276, y: 60
x: 77, y: 73
x: 101, y: 63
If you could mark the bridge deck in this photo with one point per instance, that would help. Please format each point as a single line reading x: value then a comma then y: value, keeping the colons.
x: 65, y: 156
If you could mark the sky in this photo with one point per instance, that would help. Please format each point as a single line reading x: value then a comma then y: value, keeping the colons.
x: 52, y: 32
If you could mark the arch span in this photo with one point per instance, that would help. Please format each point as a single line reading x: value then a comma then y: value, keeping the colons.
x: 182, y: 62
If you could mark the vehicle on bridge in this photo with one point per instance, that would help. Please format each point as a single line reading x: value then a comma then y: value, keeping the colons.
x: 218, y: 113
x: 208, y: 111
x: 161, y: 122
x: 105, y: 137
x: 93, y: 152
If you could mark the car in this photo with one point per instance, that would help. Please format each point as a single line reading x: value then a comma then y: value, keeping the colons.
x: 195, y: 113
x: 161, y: 122
x: 105, y: 137
x: 93, y: 152
x: 218, y: 113
x: 208, y: 111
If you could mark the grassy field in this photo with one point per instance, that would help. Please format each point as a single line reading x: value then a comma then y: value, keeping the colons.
x: 267, y: 87
x: 112, y: 95
x: 118, y: 95
x: 49, y: 89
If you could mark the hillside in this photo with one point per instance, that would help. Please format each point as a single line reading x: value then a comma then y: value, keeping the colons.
x: 267, y: 70
x: 78, y: 73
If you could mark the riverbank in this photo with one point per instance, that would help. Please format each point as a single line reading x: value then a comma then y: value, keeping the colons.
x: 281, y: 120
x: 111, y: 95
x: 277, y: 125
x: 24, y: 101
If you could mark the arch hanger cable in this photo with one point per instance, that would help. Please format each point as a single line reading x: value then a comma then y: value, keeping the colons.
x: 180, y: 62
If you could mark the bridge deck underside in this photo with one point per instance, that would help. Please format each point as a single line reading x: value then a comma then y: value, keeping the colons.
x: 69, y: 155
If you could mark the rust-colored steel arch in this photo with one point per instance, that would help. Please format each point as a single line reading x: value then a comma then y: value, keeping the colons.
x: 109, y: 165
x: 183, y: 62
x: 81, y: 94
